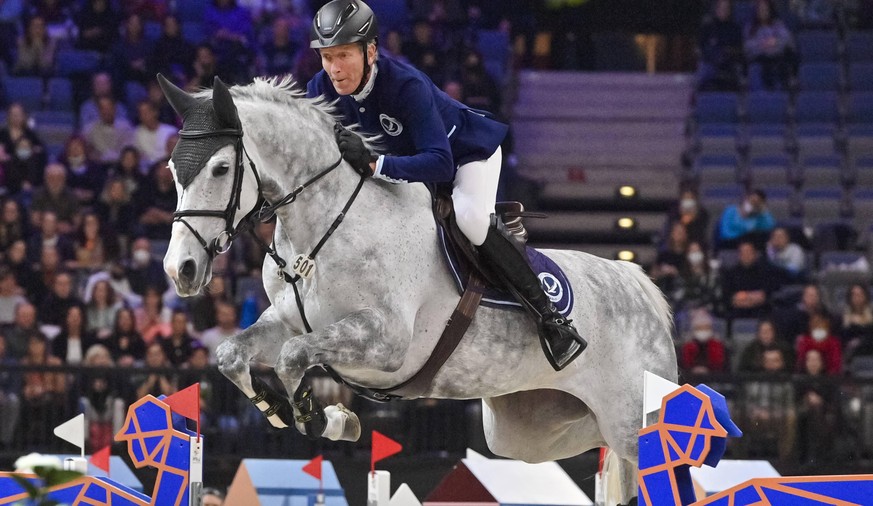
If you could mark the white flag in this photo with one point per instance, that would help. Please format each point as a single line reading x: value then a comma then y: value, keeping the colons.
x: 73, y: 431
x: 655, y: 388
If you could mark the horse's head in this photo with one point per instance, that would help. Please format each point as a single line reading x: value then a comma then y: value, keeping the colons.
x: 214, y: 193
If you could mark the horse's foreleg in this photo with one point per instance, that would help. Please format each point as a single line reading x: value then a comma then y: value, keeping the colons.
x: 356, y: 340
x: 264, y: 338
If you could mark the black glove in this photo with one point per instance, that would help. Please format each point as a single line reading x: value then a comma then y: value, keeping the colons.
x: 354, y: 151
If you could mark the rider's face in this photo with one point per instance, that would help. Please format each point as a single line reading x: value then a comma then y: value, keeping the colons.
x: 345, y: 65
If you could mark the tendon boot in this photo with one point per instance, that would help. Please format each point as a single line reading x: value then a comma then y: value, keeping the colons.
x: 312, y: 416
x: 561, y: 343
x: 277, y: 405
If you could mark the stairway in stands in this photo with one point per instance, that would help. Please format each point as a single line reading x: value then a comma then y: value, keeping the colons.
x: 582, y: 136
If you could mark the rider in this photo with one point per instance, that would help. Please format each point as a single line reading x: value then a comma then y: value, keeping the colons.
x: 431, y: 139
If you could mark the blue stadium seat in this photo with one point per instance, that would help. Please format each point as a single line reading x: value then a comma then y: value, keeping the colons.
x: 861, y: 76
x: 859, y: 123
x: 152, y: 30
x: 191, y: 10
x: 821, y: 204
x: 716, y: 169
x: 779, y: 197
x: 393, y: 15
x: 820, y: 77
x: 863, y: 172
x: 822, y: 171
x: 60, y: 94
x: 767, y: 122
x: 818, y: 46
x: 134, y: 93
x: 770, y: 170
x: 717, y: 121
x: 193, y: 32
x: 817, y: 119
x: 859, y: 47
x: 495, y: 50
x: 73, y: 62
x: 862, y: 202
x: 54, y: 127
x: 26, y: 90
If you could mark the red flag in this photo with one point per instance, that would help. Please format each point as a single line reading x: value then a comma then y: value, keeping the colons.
x: 100, y: 458
x: 383, y: 447
x: 186, y: 403
x: 313, y: 467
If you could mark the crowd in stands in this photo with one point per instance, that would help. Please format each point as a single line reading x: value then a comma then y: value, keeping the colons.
x: 84, y: 223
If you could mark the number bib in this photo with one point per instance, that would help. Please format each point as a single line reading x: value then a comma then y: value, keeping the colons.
x: 303, y: 266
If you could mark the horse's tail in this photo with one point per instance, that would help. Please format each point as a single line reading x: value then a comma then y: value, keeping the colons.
x: 654, y: 295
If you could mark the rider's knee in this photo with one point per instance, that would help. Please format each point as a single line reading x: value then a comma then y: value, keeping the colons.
x: 474, y: 222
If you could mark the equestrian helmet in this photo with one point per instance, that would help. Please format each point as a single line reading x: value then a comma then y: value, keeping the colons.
x: 343, y: 22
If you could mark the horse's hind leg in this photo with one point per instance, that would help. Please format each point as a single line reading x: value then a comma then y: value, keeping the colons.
x: 355, y: 341
x: 263, y: 339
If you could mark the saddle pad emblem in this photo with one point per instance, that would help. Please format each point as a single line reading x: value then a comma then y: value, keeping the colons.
x: 552, y: 286
x: 391, y: 126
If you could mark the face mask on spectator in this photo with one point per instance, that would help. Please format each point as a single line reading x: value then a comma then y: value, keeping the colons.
x: 695, y: 257
x: 819, y: 334
x: 687, y: 205
x: 747, y: 207
x: 702, y: 334
x: 141, y: 257
x: 23, y: 153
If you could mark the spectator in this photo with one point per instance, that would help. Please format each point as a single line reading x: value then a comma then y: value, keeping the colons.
x: 178, y: 345
x: 95, y: 245
x: 212, y: 497
x: 480, y: 89
x: 424, y: 53
x: 46, y: 270
x: 197, y: 371
x: 752, y: 359
x: 771, y: 410
x: 10, y: 404
x: 228, y: 326
x: 455, y: 90
x: 131, y: 54
x: 150, y: 137
x: 306, y: 65
x: 97, y: 24
x: 56, y: 197
x: 394, y: 48
x: 204, y: 68
x: 62, y: 297
x: 101, y: 307
x: 155, y: 94
x: 671, y: 260
x: 172, y: 55
x: 696, y: 287
x: 785, y: 254
x: 857, y: 326
x: 128, y: 169
x: 144, y: 271
x: 253, y: 254
x: 768, y: 42
x: 155, y: 383
x: 814, y: 14
x: 152, y: 319
x: 746, y: 287
x: 817, y: 410
x: 43, y: 394
x: 11, y: 295
x: 109, y: 133
x: 721, y: 50
x: 13, y: 225
x: 231, y: 34
x: 115, y: 209
x: 74, y: 340
x: 58, y: 22
x: 36, y: 50
x: 49, y: 235
x: 154, y: 10
x: 24, y: 326
x: 277, y: 54
x: 794, y: 321
x: 16, y: 259
x: 24, y: 149
x: 204, y: 308
x: 749, y: 221
x: 821, y: 339
x: 128, y: 346
x: 11, y: 13
x: 704, y: 353
x: 84, y: 178
x: 101, y: 86
x: 101, y: 404
x: 689, y: 213
x: 156, y: 203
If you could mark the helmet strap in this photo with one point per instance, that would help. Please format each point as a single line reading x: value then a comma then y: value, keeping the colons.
x: 367, y: 69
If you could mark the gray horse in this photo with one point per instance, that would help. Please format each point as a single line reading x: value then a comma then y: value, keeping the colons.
x: 380, y: 294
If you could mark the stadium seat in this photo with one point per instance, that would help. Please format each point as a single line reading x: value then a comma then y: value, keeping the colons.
x: 393, y: 15
x: 717, y: 121
x: 134, y: 93
x: 861, y: 76
x: 716, y: 169
x: 859, y: 123
x: 817, y: 119
x: 767, y: 123
x: 54, y: 127
x: 863, y: 172
x: 862, y: 203
x: 193, y: 32
x: 191, y: 10
x: 25, y: 90
x: 495, y: 49
x: 859, y: 47
x: 822, y: 204
x: 779, y: 200
x: 76, y: 62
x: 822, y: 171
x: 820, y: 77
x: 818, y: 46
x: 744, y: 12
x: 861, y: 367
x: 152, y: 30
x: 60, y: 94
x: 770, y: 170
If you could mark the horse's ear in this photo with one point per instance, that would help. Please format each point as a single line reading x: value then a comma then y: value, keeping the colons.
x: 222, y: 103
x: 178, y: 98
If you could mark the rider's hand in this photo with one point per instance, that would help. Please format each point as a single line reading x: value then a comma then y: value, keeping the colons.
x: 354, y: 151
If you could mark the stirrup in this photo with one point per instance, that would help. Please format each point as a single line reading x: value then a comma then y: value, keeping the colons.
x: 565, y: 330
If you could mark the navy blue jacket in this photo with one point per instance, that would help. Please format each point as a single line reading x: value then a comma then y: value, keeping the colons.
x: 425, y: 134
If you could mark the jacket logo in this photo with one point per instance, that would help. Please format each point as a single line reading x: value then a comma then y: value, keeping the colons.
x: 391, y: 126
x: 551, y: 286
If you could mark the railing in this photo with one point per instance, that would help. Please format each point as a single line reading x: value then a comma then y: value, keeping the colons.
x: 795, y: 422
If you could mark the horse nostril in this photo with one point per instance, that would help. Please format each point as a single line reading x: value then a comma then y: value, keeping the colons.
x: 188, y: 269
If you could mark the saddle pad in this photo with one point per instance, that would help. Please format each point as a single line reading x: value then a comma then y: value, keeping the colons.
x: 552, y: 279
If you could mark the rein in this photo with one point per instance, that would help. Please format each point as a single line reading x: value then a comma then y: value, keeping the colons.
x: 264, y: 211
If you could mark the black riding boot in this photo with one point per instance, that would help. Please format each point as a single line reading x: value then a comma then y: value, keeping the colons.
x: 560, y: 341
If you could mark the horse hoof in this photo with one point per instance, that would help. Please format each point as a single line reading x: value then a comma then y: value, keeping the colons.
x: 351, y: 427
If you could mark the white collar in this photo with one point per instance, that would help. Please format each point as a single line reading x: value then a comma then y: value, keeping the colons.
x: 369, y: 86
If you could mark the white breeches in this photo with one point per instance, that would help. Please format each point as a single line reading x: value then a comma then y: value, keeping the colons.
x: 473, y: 195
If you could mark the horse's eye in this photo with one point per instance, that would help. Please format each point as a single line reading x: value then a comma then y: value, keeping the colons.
x: 220, y: 170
